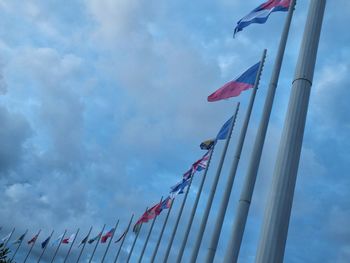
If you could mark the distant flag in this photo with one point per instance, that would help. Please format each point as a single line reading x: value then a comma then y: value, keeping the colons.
x: 207, y: 145
x: 85, y: 239
x: 69, y: 240
x: 202, y: 163
x: 105, y: 237
x: 34, y: 238
x: 179, y: 187
x: 260, y: 14
x: 224, y: 131
x: 20, y: 239
x: 4, y: 239
x: 148, y: 215
x: 57, y: 240
x: 121, y: 237
x: 46, y: 241
x: 92, y: 240
x: 234, y: 87
x: 166, y: 203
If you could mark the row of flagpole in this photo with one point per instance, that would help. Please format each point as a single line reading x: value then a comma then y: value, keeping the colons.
x: 274, y: 230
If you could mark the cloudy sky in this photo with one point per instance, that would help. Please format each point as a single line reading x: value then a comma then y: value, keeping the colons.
x: 103, y: 106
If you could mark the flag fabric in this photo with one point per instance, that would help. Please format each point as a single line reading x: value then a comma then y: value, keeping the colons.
x: 148, y: 215
x: 34, y: 238
x: 20, y: 239
x: 121, y: 237
x: 260, y: 14
x: 166, y: 203
x: 4, y: 239
x: 57, y: 240
x: 179, y: 187
x: 84, y: 240
x: 105, y: 237
x: 202, y: 163
x: 224, y: 131
x: 207, y: 145
x: 68, y: 240
x: 46, y: 241
x: 236, y: 86
x: 92, y: 240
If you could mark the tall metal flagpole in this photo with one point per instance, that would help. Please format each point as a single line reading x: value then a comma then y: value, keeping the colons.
x: 121, y: 244
x: 212, y: 194
x: 8, y: 239
x: 161, y: 232
x: 70, y: 248
x: 277, y: 214
x: 110, y: 240
x: 172, y: 236
x: 42, y: 253
x: 98, y: 241
x: 149, y: 234
x: 194, y: 209
x: 242, y: 211
x: 30, y: 250
x: 59, y: 244
x: 230, y: 180
x: 133, y: 244
x: 82, y: 249
x: 20, y: 243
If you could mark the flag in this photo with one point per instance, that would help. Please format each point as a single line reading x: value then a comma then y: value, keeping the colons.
x: 165, y: 204
x: 207, y: 145
x: 46, y: 241
x: 4, y: 240
x: 57, y: 240
x: 179, y: 187
x: 260, y: 14
x: 236, y: 86
x: 105, y: 237
x: 92, y: 240
x: 223, y: 133
x: 84, y: 240
x: 148, y: 215
x: 121, y: 237
x: 202, y: 163
x: 20, y: 239
x: 34, y: 238
x: 68, y: 240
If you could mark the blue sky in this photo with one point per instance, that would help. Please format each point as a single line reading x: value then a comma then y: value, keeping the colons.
x: 103, y: 106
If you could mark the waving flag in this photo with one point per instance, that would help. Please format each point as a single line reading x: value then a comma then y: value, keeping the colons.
x: 92, y: 240
x: 105, y: 237
x: 260, y: 14
x: 202, y: 163
x: 207, y: 145
x: 165, y: 204
x: 34, y: 238
x: 68, y: 240
x: 3, y: 240
x: 179, y: 187
x: 121, y: 237
x: 57, y: 240
x: 235, y: 87
x: 20, y: 239
x: 148, y: 215
x: 84, y: 240
x: 223, y: 133
x: 46, y: 241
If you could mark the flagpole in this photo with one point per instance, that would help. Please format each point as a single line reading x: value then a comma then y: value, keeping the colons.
x: 242, y: 211
x: 162, y: 232
x: 82, y: 249
x: 14, y: 254
x: 98, y: 241
x: 110, y: 240
x: 277, y: 213
x: 212, y: 193
x: 30, y: 250
x: 121, y: 244
x: 149, y: 233
x: 70, y: 248
x: 172, y: 237
x: 135, y: 239
x: 7, y: 240
x: 44, y: 248
x: 194, y: 209
x: 59, y: 244
x: 230, y: 180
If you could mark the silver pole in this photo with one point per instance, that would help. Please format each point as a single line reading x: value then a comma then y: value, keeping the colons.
x: 14, y: 254
x: 30, y: 250
x: 58, y: 247
x: 121, y: 245
x: 231, y: 178
x: 109, y: 243
x: 98, y: 241
x: 70, y: 248
x: 193, y: 212
x: 42, y: 253
x: 162, y: 232
x: 82, y: 249
x: 277, y: 214
x: 200, y: 234
x: 167, y: 252
x: 133, y: 244
x: 148, y: 235
x: 241, y: 215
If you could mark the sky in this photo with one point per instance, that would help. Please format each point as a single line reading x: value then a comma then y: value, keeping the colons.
x: 103, y: 107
